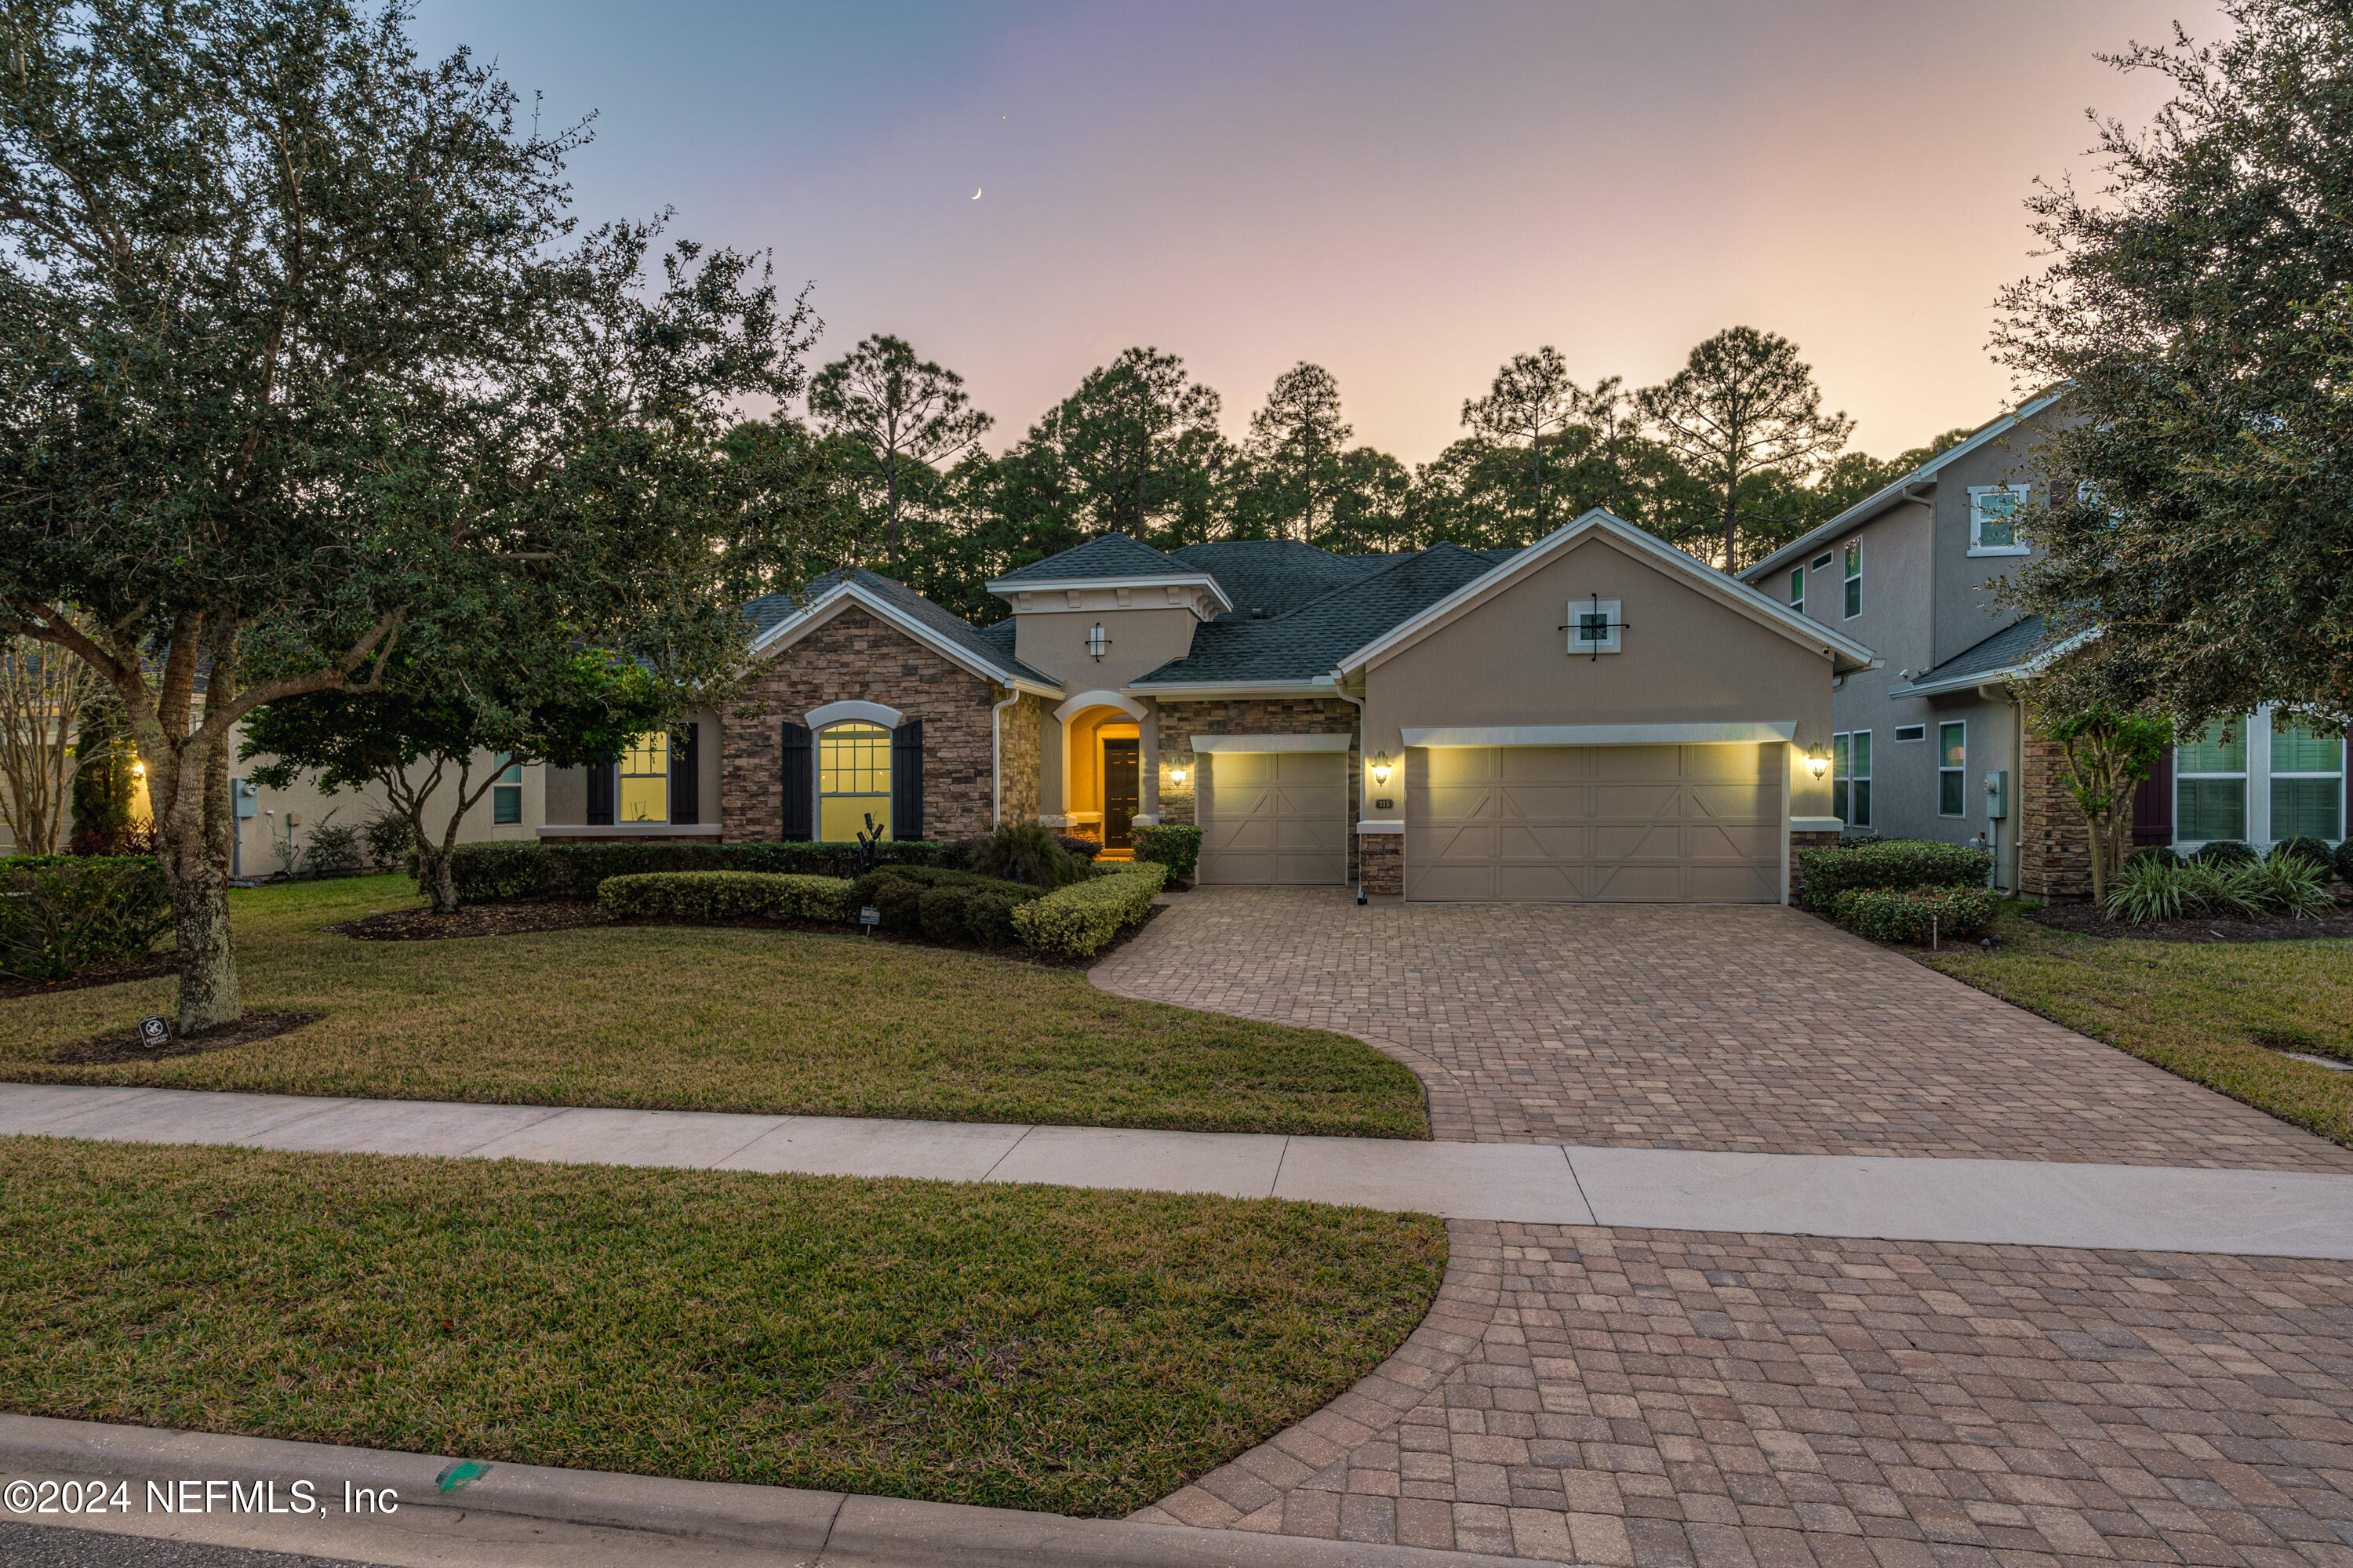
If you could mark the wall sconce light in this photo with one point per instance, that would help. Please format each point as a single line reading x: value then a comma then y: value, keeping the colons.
x: 1176, y: 775
x: 1380, y: 766
x: 1097, y: 641
x: 138, y: 770
x: 1818, y: 761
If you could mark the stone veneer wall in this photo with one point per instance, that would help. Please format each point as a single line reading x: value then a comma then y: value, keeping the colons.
x: 1018, y: 757
x: 1806, y: 841
x: 1380, y: 864
x: 854, y: 655
x: 1182, y: 720
x: 2054, y: 858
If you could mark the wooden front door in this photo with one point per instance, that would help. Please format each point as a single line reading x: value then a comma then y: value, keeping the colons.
x: 1119, y: 792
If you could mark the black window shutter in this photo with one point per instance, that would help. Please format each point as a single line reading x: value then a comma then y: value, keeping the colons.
x: 686, y: 776
x: 907, y: 780
x: 800, y: 765
x: 601, y: 780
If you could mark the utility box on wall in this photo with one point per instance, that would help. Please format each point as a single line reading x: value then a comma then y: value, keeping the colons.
x: 243, y: 796
x: 1998, y: 795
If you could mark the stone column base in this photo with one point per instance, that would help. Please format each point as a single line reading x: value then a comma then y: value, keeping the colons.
x: 1380, y: 864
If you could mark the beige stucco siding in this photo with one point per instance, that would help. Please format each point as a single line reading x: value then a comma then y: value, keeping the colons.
x: 1139, y: 641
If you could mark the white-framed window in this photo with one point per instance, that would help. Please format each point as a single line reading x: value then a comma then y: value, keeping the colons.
x: 1797, y: 589
x: 1822, y: 562
x: 506, y: 795
x: 1594, y: 626
x: 2210, y: 783
x: 1952, y: 768
x: 853, y: 779
x: 642, y: 788
x: 1851, y: 778
x: 1994, y: 519
x: 2307, y: 783
x: 1904, y: 732
x: 1853, y: 579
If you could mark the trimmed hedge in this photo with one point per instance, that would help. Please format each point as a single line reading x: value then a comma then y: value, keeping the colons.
x: 1081, y: 919
x: 62, y: 913
x: 943, y: 906
x: 2226, y: 851
x: 723, y: 895
x: 2311, y: 850
x: 1889, y: 865
x: 1177, y: 846
x: 2344, y: 859
x: 1890, y: 915
x: 484, y: 871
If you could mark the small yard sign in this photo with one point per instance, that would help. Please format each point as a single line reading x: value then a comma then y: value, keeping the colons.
x: 870, y: 917
x: 154, y: 1031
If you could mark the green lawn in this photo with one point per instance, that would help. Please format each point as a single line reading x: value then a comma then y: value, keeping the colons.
x: 2204, y: 1011
x: 721, y: 1018
x: 1018, y: 1347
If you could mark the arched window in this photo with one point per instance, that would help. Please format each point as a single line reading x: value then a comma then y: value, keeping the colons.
x: 853, y: 779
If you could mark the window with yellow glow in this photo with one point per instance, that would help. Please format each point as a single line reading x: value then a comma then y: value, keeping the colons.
x: 853, y: 779
x: 645, y: 779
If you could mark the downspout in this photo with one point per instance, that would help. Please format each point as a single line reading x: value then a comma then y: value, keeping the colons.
x: 1355, y: 785
x: 997, y: 760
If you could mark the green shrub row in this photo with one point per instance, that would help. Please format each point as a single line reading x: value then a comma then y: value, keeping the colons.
x: 60, y: 913
x: 1915, y: 914
x: 1889, y: 864
x: 527, y: 870
x: 2152, y: 888
x: 1177, y: 846
x: 723, y: 895
x: 944, y: 905
x: 1080, y: 919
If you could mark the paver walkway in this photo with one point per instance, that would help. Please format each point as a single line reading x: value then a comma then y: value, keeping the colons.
x: 1647, y: 1026
x: 1653, y: 1399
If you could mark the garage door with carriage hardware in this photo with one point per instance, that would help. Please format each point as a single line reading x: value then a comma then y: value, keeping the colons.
x: 1275, y: 818
x: 1606, y: 824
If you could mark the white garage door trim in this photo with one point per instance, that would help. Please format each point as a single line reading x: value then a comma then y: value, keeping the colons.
x: 1285, y: 822
x: 1213, y: 743
x: 1684, y: 824
x: 1608, y: 735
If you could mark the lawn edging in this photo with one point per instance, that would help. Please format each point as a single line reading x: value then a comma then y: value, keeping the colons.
x: 851, y: 1527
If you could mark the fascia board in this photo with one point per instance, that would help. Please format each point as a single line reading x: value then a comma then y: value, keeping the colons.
x: 1872, y: 505
x: 1213, y: 744
x: 788, y: 632
x: 1739, y: 733
x: 1178, y: 691
x: 1005, y: 589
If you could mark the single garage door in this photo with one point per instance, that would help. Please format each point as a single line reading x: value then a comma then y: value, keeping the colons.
x: 1274, y: 817
x: 1616, y: 824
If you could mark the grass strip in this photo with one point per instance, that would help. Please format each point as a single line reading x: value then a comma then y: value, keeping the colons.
x: 1017, y: 1346
x: 721, y: 1018
x: 2218, y: 1013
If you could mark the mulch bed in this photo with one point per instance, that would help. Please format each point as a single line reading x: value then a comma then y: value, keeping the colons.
x: 473, y: 920
x: 149, y: 968
x: 125, y: 1045
x: 2085, y: 920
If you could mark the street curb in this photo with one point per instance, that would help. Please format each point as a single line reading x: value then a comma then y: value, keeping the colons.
x: 818, y: 1530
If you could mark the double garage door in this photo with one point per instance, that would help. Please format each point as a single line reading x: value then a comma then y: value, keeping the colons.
x: 1569, y: 824
x: 1274, y: 818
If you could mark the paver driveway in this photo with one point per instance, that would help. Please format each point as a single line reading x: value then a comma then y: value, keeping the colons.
x: 1755, y: 1029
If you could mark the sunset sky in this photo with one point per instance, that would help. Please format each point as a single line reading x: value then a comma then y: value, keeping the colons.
x: 1407, y: 194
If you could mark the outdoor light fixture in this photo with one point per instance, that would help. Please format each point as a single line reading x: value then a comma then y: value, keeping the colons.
x: 1176, y: 775
x: 1097, y: 641
x: 138, y: 770
x: 1380, y: 766
x: 1818, y: 760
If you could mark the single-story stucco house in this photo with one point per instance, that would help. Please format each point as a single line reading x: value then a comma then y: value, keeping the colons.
x: 1596, y: 717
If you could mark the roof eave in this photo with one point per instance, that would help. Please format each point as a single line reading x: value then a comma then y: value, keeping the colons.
x: 1006, y: 588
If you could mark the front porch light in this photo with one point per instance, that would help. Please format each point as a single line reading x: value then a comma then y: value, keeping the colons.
x: 1177, y: 774
x: 1818, y: 760
x: 1380, y: 766
x: 1097, y: 641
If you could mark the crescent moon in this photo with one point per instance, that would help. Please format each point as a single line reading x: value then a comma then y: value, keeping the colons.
x: 975, y: 193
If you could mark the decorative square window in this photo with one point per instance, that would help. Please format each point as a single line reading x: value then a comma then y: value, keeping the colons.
x: 1853, y: 579
x: 1994, y: 519
x: 1952, y: 769
x: 1594, y: 626
x: 1911, y: 732
x: 506, y: 795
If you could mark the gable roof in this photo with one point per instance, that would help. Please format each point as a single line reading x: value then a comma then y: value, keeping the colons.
x: 1880, y: 500
x: 777, y: 617
x: 1276, y: 576
x: 1845, y: 652
x: 1112, y: 556
x: 1304, y: 645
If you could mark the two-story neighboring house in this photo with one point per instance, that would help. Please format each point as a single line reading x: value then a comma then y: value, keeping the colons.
x: 1933, y: 742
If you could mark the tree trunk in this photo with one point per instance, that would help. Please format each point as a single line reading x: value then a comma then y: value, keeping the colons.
x: 445, y: 880
x: 1731, y: 517
x: 2100, y: 831
x: 192, y: 853
x: 891, y: 523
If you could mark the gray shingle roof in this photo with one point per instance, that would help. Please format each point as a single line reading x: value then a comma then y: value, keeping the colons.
x: 1276, y: 576
x: 995, y: 651
x: 1113, y: 556
x: 1310, y: 640
x: 2013, y: 645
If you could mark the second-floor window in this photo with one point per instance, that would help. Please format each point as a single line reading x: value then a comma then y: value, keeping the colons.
x: 1797, y: 589
x: 1994, y: 519
x: 1853, y: 579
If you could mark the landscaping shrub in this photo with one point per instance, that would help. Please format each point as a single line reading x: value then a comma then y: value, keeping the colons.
x: 2285, y: 885
x: 334, y: 849
x: 389, y: 836
x: 969, y: 907
x: 2151, y: 890
x: 2226, y: 852
x: 1080, y: 919
x: 2302, y: 848
x: 1024, y: 851
x: 2163, y: 854
x: 1894, y: 915
x: 1085, y: 850
x: 1889, y: 865
x: 63, y: 913
x: 483, y: 872
x: 723, y: 896
x: 1175, y: 845
x: 2344, y: 859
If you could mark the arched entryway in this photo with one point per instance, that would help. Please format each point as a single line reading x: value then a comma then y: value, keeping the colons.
x: 1106, y: 777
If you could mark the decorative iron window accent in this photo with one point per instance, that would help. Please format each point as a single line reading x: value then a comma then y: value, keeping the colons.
x: 1097, y: 641
x: 1593, y: 630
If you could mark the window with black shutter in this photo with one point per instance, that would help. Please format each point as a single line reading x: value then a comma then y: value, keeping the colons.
x: 799, y: 763
x: 601, y: 782
x: 907, y: 780
x: 686, y: 776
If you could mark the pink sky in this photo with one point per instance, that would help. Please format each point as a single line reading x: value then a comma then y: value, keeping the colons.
x: 1405, y: 193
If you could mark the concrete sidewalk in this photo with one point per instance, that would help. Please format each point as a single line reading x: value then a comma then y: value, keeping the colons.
x: 2131, y: 1207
